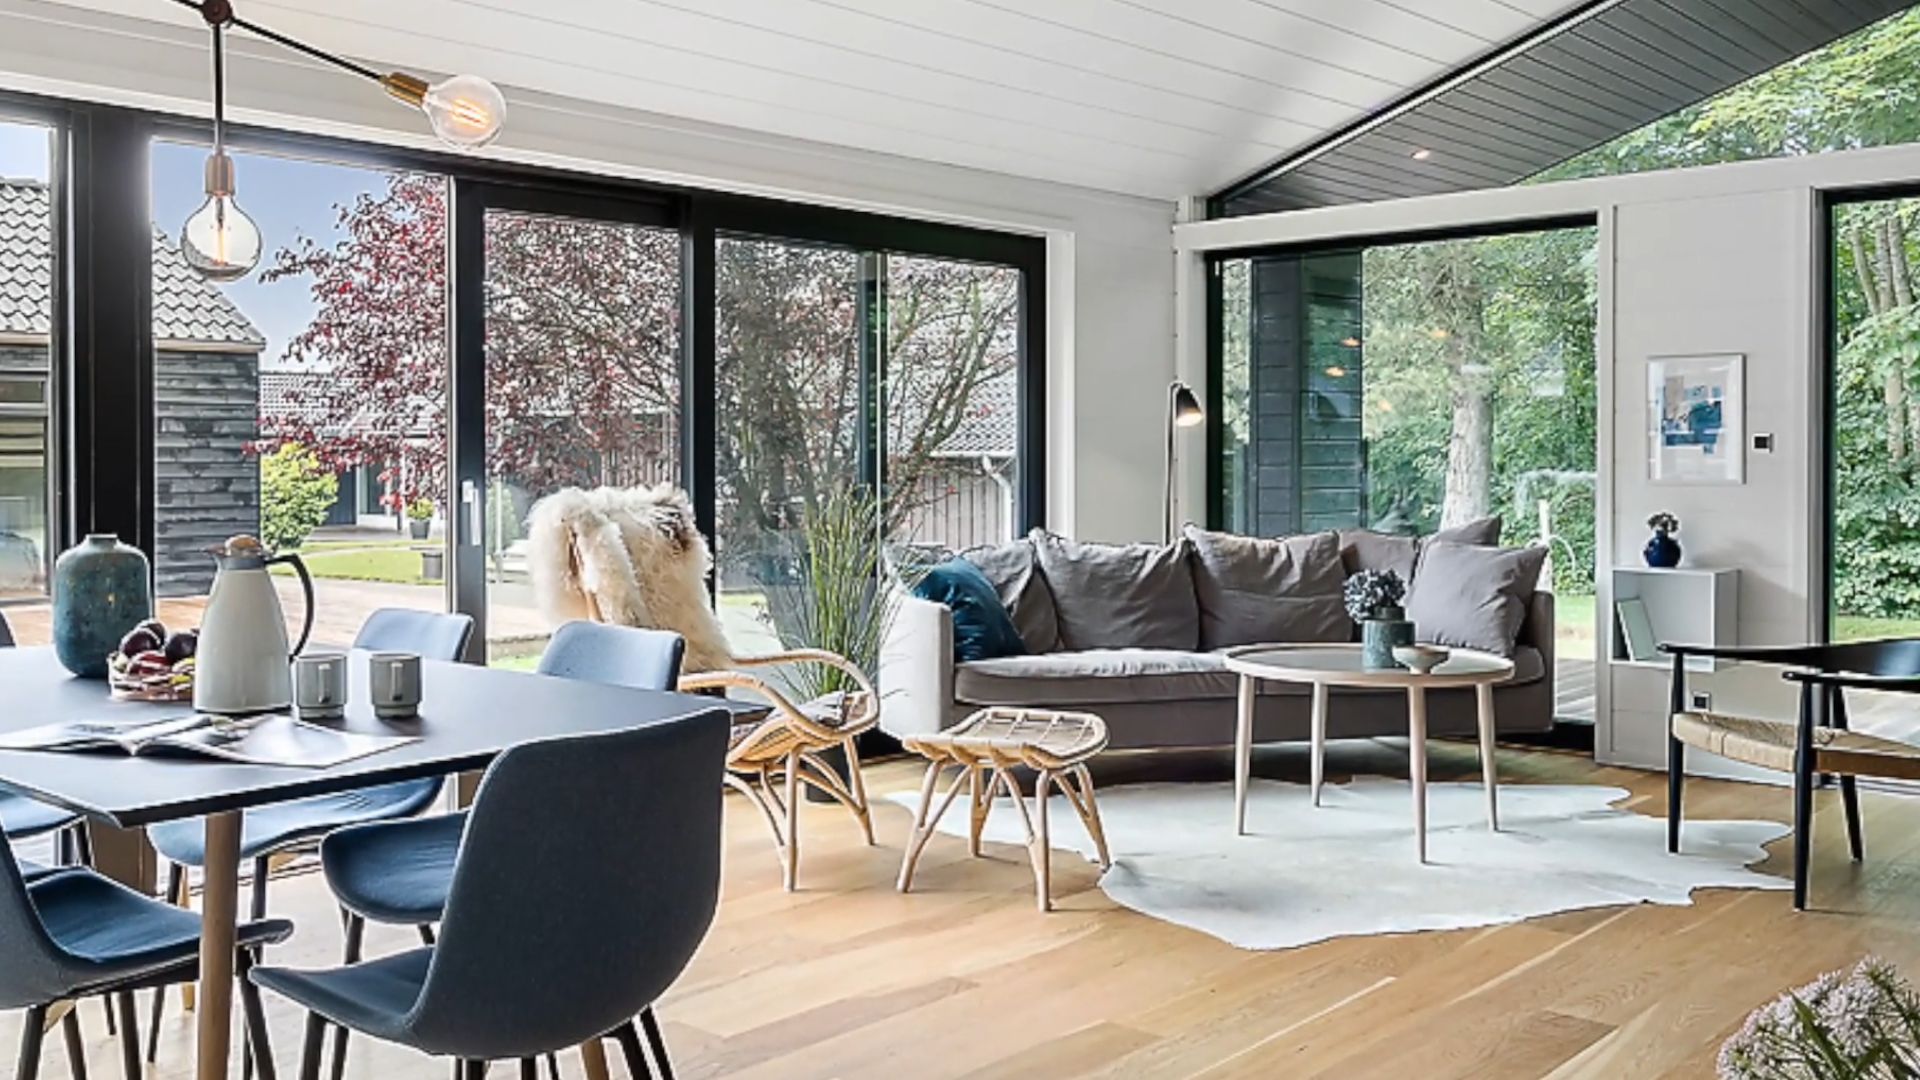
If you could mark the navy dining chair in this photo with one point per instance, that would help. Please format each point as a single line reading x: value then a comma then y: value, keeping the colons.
x: 400, y: 872
x: 76, y: 934
x: 271, y: 830
x: 588, y: 874
x: 23, y: 818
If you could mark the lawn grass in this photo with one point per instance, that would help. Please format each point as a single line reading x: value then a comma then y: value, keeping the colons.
x: 393, y: 564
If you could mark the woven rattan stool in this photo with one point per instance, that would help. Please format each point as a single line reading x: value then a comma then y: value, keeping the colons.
x: 988, y: 746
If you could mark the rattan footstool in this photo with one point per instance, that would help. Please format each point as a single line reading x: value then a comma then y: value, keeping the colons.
x: 990, y: 744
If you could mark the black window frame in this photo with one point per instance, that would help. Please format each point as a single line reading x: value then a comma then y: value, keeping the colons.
x: 102, y: 348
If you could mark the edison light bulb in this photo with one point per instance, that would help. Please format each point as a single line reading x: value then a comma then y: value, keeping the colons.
x: 220, y: 241
x: 466, y: 111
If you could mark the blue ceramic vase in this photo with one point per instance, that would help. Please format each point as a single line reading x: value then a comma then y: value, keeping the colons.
x: 1380, y: 635
x: 101, y: 590
x: 1663, y: 551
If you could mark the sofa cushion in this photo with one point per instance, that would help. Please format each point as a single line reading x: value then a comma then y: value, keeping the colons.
x: 1475, y: 597
x: 1095, y: 676
x: 1251, y: 590
x: 1364, y: 549
x: 1015, y: 574
x: 1120, y: 596
x: 982, y: 629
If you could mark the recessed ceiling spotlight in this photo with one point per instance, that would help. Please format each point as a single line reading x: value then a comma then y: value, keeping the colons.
x: 1422, y: 154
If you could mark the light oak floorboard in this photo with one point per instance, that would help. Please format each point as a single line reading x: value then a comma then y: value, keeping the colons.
x: 847, y: 978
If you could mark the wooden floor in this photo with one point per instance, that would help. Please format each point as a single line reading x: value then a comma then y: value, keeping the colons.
x: 964, y: 979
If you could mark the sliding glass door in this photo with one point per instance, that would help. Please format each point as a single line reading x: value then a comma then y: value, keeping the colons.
x: 1410, y: 387
x: 573, y: 379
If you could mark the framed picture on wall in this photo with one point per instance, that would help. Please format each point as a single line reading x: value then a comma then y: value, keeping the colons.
x: 1696, y: 419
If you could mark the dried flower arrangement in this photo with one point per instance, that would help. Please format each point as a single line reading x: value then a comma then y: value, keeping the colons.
x: 1862, y: 1024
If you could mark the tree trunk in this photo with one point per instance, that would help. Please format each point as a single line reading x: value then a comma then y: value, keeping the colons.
x: 1874, y: 271
x: 1469, y: 450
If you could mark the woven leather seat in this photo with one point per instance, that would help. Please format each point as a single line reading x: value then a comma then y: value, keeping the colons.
x: 1769, y: 744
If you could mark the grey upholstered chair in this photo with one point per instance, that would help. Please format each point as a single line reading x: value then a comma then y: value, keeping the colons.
x: 270, y: 830
x: 75, y: 934
x: 588, y: 875
x: 22, y: 818
x: 400, y: 871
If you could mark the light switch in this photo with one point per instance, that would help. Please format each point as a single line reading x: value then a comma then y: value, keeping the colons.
x: 1763, y: 441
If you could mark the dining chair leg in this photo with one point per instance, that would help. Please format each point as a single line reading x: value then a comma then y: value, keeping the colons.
x: 176, y: 883
x: 426, y: 934
x: 30, y: 1038
x: 657, y: 1043
x: 259, y: 1048
x: 356, y: 929
x: 76, y: 1045
x: 629, y: 1041
x: 129, y: 1035
x: 553, y: 1067
x: 82, y: 844
x: 529, y: 1070
x: 316, y: 1036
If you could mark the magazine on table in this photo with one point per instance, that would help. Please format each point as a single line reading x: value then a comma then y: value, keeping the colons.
x: 270, y: 739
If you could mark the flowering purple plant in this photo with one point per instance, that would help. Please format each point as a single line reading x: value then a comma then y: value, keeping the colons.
x: 1845, y: 1025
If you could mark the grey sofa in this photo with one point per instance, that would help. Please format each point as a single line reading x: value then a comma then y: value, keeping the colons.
x: 1135, y: 635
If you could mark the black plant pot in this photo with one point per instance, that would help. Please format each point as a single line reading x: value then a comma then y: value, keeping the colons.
x: 873, y: 744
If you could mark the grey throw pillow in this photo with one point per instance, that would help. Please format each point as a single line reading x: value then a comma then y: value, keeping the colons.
x: 1252, y: 591
x: 1120, y: 596
x: 1015, y: 574
x: 1364, y: 549
x: 1474, y: 597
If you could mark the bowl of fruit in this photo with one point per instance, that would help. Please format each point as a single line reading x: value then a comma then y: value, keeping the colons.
x: 152, y: 664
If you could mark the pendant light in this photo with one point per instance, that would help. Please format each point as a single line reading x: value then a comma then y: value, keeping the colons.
x: 219, y: 240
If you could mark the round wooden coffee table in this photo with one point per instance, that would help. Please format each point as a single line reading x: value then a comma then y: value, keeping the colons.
x: 1323, y: 666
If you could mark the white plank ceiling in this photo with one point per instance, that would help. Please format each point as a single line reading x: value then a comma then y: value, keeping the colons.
x: 1149, y: 97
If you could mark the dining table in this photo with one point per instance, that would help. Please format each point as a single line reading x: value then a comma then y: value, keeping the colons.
x: 468, y: 715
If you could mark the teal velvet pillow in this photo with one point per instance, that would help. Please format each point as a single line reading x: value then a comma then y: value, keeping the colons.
x: 982, y: 629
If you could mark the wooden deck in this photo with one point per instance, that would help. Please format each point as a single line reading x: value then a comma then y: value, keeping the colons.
x: 962, y: 978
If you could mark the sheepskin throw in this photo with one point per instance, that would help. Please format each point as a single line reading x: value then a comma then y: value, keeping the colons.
x: 628, y: 556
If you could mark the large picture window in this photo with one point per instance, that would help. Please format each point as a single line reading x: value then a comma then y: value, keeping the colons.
x: 1409, y: 387
x: 28, y: 375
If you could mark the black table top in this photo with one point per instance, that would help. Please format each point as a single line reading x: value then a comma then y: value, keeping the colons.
x: 468, y: 715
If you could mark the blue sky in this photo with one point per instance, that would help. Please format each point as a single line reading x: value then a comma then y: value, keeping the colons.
x: 287, y: 197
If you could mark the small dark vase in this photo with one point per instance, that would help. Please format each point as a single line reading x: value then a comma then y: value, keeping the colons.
x: 101, y: 590
x: 1380, y: 635
x: 1663, y: 551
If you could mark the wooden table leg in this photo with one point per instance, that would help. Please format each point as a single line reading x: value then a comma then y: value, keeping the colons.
x: 1489, y: 774
x: 1417, y: 763
x: 1242, y: 755
x: 593, y: 1058
x: 1319, y: 739
x: 219, y: 914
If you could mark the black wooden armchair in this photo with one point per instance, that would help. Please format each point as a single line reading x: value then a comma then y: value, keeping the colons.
x: 1818, y: 742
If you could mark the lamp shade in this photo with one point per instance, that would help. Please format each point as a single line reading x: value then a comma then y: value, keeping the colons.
x: 1185, y: 410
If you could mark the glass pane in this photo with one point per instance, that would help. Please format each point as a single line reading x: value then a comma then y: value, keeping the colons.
x: 788, y: 419
x: 1876, y: 431
x: 1412, y: 387
x: 583, y: 384
x: 952, y: 402
x: 26, y: 321
x: 305, y: 402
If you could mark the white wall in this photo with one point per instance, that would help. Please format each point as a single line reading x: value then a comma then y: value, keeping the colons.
x: 1110, y: 288
x: 1718, y: 259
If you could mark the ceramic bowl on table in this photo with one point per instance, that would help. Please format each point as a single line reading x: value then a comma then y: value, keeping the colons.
x: 1421, y: 658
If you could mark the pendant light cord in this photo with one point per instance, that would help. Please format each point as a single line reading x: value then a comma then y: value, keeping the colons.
x: 283, y: 40
x: 219, y: 93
